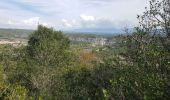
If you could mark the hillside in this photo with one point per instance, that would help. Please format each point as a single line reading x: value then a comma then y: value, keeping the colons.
x: 14, y: 33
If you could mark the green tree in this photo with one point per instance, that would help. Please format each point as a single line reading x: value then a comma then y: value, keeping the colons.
x: 41, y: 60
x: 48, y: 47
x: 11, y: 91
x: 143, y: 70
x: 145, y: 65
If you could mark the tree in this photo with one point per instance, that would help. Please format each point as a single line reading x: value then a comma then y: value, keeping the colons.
x: 11, y: 91
x: 40, y: 61
x: 48, y: 47
x: 156, y: 20
x: 143, y: 70
x: 147, y: 57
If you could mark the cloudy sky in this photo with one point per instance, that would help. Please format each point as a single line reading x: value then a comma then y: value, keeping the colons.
x: 70, y: 14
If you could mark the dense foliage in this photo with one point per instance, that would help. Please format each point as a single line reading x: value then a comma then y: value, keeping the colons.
x: 136, y: 67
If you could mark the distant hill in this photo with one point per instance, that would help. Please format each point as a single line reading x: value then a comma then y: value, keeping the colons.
x: 99, y: 30
x: 14, y: 33
x: 24, y: 33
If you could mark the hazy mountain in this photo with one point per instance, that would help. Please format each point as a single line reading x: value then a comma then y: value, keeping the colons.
x: 24, y: 33
x: 99, y: 30
x: 14, y: 33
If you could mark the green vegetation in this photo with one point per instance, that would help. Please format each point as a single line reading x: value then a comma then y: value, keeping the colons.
x: 14, y: 33
x: 50, y: 67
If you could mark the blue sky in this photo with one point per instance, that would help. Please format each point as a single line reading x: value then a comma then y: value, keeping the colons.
x: 70, y: 14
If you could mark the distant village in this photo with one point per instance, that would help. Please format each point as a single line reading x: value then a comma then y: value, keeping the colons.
x: 94, y: 41
x: 13, y: 42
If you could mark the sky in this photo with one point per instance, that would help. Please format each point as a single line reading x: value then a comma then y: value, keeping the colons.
x: 70, y: 14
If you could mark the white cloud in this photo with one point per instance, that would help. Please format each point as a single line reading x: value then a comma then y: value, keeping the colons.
x: 32, y: 21
x: 14, y: 22
x: 66, y: 23
x: 10, y: 22
x: 87, y: 18
x: 45, y: 24
x: 98, y: 22
x: 77, y: 13
x: 70, y: 23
